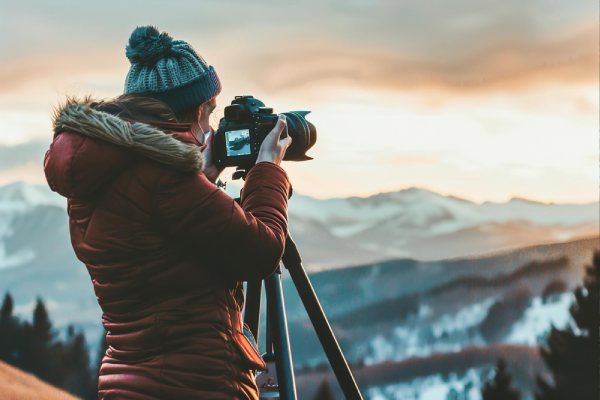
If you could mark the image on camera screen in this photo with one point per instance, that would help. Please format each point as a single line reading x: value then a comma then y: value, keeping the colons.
x: 238, y: 142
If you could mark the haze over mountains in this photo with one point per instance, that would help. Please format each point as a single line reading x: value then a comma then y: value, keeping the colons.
x: 410, y: 223
x: 420, y: 224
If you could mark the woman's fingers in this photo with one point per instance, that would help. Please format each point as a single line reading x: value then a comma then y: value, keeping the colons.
x: 279, y: 128
x: 286, y: 142
x: 276, y: 142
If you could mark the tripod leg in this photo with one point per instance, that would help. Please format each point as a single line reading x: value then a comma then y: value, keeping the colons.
x: 271, y: 324
x: 293, y: 263
x: 279, y: 333
x: 252, y: 306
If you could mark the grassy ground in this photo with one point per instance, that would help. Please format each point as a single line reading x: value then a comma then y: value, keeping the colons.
x: 20, y: 385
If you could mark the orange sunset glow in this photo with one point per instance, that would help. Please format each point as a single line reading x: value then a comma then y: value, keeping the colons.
x: 482, y: 101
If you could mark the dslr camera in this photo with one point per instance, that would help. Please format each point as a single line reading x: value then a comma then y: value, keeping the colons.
x: 245, y: 125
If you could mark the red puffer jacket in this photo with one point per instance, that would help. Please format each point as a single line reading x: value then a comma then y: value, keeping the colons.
x: 167, y: 252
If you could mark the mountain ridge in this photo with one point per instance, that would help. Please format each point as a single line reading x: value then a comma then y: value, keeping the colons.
x: 411, y: 222
x: 22, y: 185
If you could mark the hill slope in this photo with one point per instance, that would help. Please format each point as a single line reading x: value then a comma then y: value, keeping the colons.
x: 18, y: 385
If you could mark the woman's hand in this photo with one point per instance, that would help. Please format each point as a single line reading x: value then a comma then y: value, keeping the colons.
x: 208, y: 167
x: 273, y: 148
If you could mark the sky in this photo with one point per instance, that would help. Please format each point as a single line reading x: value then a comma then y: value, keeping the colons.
x: 484, y: 100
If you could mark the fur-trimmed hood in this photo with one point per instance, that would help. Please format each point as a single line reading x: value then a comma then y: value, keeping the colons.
x: 142, y: 139
x: 81, y: 164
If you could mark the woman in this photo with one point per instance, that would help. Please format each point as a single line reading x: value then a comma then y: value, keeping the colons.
x: 166, y: 249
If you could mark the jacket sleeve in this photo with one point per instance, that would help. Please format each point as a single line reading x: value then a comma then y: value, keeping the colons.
x: 245, y: 242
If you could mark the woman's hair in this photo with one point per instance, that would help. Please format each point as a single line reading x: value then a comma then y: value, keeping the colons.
x: 138, y: 107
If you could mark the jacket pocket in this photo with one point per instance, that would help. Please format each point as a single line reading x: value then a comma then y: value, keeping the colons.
x: 246, y: 345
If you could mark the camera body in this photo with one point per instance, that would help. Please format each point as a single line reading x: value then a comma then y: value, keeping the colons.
x: 246, y: 123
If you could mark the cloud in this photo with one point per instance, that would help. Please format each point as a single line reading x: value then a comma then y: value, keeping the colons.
x: 30, y: 172
x: 31, y: 152
x: 41, y: 72
x: 459, y: 46
x: 567, y: 58
x: 529, y: 71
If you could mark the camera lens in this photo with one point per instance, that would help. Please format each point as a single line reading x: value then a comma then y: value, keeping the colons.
x: 303, y: 133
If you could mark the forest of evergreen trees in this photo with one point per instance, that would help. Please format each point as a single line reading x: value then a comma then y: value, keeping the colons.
x: 570, y: 354
x: 35, y: 347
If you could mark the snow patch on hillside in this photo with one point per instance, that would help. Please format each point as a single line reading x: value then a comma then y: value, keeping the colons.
x: 539, y: 317
x: 432, y: 387
x: 465, y: 318
x: 421, y: 337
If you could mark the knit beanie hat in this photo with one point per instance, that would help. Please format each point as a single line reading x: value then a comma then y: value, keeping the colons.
x: 168, y: 70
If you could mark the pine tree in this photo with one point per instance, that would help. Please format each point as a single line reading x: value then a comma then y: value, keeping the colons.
x: 7, y: 308
x: 77, y: 377
x: 42, y: 327
x: 572, y: 353
x: 8, y: 331
x: 324, y: 392
x: 34, y: 347
x: 37, y: 348
x: 500, y: 388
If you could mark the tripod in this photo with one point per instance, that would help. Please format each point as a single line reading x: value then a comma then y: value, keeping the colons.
x: 279, y: 353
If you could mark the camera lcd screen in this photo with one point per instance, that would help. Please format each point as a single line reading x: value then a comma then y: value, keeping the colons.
x: 238, y: 142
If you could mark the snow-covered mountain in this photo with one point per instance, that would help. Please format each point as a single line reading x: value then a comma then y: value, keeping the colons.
x: 399, y: 309
x: 421, y: 224
x: 37, y: 260
x: 410, y: 223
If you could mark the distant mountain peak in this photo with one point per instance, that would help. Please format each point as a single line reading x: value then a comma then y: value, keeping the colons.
x: 416, y: 189
x: 402, y: 194
x: 528, y: 201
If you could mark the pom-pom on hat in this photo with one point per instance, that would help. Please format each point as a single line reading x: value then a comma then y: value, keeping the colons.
x: 169, y: 70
